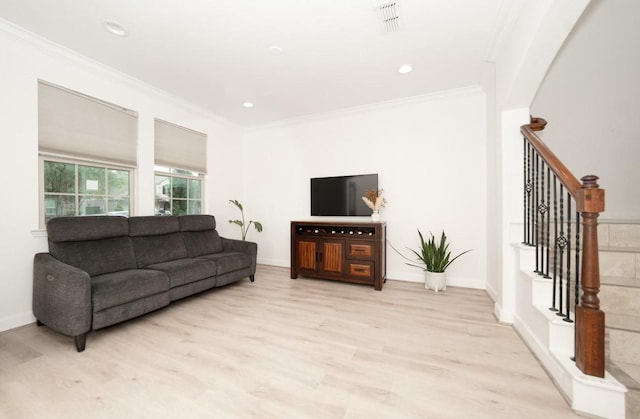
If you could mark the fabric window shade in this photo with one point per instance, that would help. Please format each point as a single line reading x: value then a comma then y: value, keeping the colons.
x: 179, y: 147
x: 71, y: 123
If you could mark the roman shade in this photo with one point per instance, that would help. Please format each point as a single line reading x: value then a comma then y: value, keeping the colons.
x: 71, y: 123
x: 179, y: 147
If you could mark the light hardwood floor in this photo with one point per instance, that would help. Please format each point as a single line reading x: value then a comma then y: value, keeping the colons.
x: 282, y: 348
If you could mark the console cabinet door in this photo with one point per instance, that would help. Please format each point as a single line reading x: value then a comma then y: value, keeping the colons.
x: 317, y: 256
x: 332, y: 257
x: 307, y: 251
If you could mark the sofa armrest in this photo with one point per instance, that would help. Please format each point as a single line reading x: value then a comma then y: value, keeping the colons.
x: 250, y: 248
x: 61, y: 295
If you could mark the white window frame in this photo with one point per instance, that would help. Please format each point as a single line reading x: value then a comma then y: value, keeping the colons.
x: 172, y: 173
x: 57, y: 158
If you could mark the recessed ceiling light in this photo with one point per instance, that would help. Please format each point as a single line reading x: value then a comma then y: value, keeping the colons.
x: 275, y: 50
x: 404, y: 69
x: 247, y: 105
x: 115, y: 28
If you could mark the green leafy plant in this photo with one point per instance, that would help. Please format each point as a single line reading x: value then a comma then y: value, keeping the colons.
x: 244, y: 228
x: 434, y: 256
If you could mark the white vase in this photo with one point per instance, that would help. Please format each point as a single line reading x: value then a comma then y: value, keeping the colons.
x: 436, y: 281
x: 375, y: 216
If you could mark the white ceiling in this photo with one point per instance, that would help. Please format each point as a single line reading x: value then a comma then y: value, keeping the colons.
x: 335, y: 53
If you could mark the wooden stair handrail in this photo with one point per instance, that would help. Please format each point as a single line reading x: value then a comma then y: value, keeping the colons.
x: 564, y: 175
x: 589, y: 197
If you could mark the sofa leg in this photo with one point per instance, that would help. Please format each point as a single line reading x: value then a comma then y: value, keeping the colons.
x: 39, y: 323
x: 252, y: 278
x: 81, y: 341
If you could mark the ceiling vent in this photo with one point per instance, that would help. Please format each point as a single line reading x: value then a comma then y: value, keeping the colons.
x: 389, y: 15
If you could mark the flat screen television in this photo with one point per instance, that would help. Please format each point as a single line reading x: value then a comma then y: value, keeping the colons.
x: 341, y: 195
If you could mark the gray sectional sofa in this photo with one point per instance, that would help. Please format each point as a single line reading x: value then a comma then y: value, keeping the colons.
x: 102, y: 270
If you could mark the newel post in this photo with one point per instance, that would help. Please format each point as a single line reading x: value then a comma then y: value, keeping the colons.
x: 589, y: 339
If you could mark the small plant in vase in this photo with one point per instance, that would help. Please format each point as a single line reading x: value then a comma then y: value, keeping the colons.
x: 374, y: 199
x: 435, y: 258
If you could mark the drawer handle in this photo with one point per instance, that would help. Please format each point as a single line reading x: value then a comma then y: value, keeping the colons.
x: 359, y: 270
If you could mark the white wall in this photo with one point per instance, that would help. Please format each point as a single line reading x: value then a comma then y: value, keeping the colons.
x: 25, y: 59
x: 429, y: 152
x: 591, y: 99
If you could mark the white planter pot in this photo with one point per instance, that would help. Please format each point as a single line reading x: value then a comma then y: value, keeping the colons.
x: 436, y: 281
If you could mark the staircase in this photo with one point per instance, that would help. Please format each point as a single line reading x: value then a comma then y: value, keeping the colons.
x: 619, y: 243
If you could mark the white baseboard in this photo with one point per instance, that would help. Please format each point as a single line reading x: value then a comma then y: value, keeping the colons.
x: 16, y: 321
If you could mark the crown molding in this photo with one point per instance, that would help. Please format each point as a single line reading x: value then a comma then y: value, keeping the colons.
x: 417, y: 99
x: 50, y: 48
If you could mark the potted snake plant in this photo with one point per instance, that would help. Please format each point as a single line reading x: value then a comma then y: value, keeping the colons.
x: 434, y: 258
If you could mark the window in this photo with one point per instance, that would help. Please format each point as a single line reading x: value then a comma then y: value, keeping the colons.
x: 178, y: 192
x: 87, y: 153
x: 73, y: 188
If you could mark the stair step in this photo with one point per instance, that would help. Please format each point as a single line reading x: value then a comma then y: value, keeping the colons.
x: 619, y: 233
x: 619, y: 281
x: 623, y: 346
x: 622, y: 322
x: 619, y: 299
x: 619, y: 249
x: 629, y: 376
x: 617, y: 262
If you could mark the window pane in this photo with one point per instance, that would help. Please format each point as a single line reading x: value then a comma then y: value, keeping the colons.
x: 183, y: 172
x: 91, y: 180
x: 194, y: 188
x: 179, y: 189
x: 179, y: 207
x: 58, y: 206
x: 118, y: 182
x: 194, y: 207
x: 163, y: 197
x: 90, y: 205
x: 119, y: 206
x: 59, y: 177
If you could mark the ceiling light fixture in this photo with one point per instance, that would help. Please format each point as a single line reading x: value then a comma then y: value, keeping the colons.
x: 404, y: 69
x: 115, y: 28
x: 247, y: 105
x: 275, y: 50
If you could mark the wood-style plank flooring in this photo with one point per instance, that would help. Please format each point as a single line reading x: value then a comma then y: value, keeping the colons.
x: 282, y: 348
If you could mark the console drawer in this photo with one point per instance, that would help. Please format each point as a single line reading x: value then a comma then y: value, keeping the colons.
x: 359, y: 250
x: 363, y: 270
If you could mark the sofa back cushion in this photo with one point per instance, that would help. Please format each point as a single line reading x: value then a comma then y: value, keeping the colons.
x: 95, y: 244
x: 156, y: 239
x: 200, y: 235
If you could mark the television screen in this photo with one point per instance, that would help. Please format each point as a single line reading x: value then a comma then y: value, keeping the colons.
x: 341, y: 195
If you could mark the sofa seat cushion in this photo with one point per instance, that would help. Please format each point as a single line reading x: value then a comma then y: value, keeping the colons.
x: 113, y: 289
x: 185, y: 271
x: 229, y: 261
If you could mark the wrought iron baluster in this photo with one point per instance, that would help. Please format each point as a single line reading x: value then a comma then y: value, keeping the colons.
x: 561, y: 243
x: 555, y: 245
x: 548, y: 226
x: 577, y: 281
x: 542, y: 210
x: 525, y: 154
x: 529, y: 189
x: 567, y: 317
x: 536, y: 224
